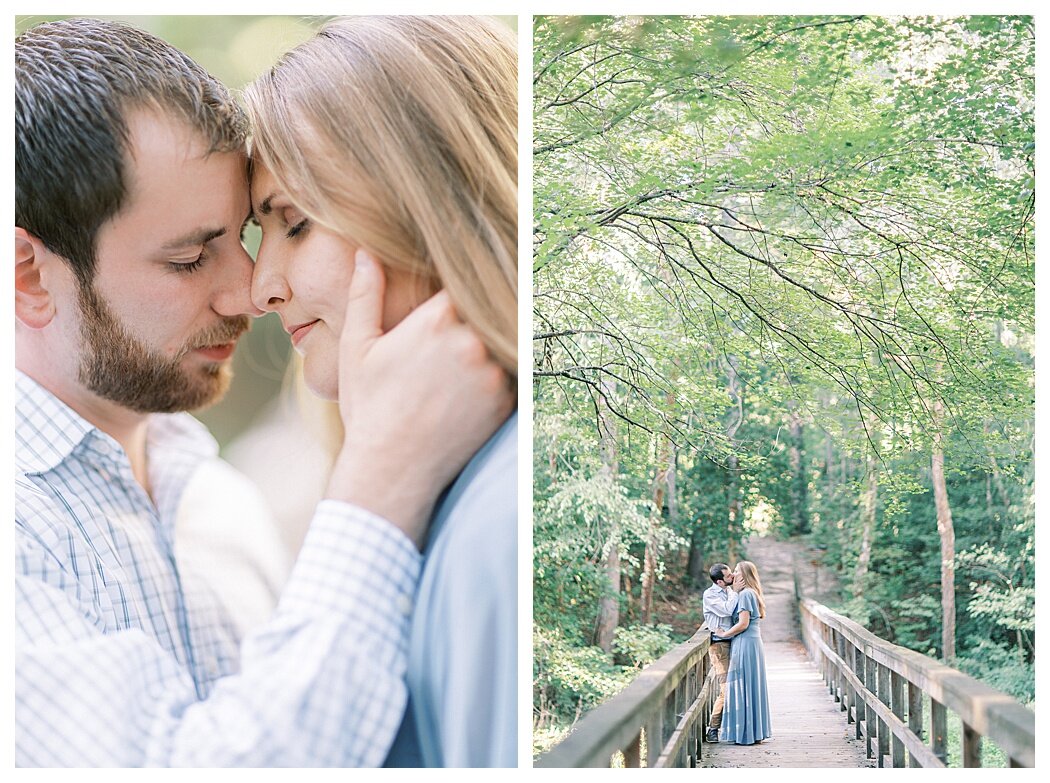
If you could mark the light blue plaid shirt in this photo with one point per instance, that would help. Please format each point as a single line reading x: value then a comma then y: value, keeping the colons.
x: 116, y: 666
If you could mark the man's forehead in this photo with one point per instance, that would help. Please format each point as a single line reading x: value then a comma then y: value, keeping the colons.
x: 153, y: 133
x: 176, y: 185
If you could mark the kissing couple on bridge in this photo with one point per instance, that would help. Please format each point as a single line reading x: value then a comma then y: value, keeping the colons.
x: 733, y: 608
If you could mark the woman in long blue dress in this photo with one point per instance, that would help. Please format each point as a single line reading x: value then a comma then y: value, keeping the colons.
x: 745, y: 719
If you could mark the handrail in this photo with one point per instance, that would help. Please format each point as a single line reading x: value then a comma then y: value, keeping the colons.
x: 656, y: 721
x: 882, y: 685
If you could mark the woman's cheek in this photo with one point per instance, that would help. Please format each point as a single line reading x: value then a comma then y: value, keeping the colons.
x: 321, y: 365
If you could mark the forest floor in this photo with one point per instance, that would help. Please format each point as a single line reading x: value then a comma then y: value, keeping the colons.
x: 681, y: 610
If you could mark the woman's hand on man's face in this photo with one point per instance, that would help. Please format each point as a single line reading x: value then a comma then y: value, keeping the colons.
x: 417, y: 402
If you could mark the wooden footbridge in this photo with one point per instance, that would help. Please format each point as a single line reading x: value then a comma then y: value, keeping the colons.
x: 839, y: 697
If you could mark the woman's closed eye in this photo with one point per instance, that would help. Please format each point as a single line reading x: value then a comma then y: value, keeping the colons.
x: 298, y: 228
x: 297, y: 223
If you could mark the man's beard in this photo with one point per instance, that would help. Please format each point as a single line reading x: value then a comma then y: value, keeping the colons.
x: 118, y: 367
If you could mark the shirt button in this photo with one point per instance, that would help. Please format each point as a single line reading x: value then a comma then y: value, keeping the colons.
x: 404, y: 605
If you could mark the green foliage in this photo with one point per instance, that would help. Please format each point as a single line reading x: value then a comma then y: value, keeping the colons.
x: 801, y: 249
x: 568, y: 680
x: 1001, y: 666
x: 639, y: 645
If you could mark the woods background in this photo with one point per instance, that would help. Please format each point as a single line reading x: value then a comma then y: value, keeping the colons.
x: 783, y: 284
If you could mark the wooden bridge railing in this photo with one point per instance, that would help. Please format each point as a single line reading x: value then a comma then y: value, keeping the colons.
x: 882, y: 686
x: 656, y: 721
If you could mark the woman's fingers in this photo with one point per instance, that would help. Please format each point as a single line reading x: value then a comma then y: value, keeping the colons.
x: 417, y: 401
x: 364, y: 308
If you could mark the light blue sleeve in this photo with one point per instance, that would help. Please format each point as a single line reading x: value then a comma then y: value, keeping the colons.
x: 748, y: 602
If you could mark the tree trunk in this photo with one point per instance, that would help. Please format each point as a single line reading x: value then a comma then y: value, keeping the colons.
x: 609, y: 604
x: 672, y: 488
x: 735, y: 418
x: 946, y: 531
x: 798, y: 476
x: 664, y: 466
x: 695, y: 566
x: 733, y: 519
x: 869, y: 506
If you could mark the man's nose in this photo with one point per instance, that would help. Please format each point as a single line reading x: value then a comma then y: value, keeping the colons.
x: 234, y: 293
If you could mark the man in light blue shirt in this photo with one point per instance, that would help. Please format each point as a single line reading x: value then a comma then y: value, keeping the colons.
x: 131, y: 291
x: 719, y: 606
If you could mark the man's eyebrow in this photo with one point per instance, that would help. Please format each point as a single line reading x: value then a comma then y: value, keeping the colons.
x: 200, y: 236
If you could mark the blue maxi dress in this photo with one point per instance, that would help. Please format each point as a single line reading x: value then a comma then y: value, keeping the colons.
x: 745, y: 719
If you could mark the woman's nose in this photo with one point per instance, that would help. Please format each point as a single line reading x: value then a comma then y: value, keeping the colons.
x: 269, y: 286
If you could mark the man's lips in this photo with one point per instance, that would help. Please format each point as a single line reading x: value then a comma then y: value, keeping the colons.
x: 299, y: 331
x: 217, y: 353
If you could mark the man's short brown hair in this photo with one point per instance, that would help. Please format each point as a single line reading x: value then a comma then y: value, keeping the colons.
x: 75, y: 83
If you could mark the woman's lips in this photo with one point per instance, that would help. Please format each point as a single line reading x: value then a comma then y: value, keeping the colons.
x: 299, y: 332
x: 218, y: 353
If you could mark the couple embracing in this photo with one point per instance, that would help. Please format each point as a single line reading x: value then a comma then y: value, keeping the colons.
x: 733, y: 608
x: 380, y: 160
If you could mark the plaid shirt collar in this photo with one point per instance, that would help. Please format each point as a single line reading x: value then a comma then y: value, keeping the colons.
x: 48, y: 432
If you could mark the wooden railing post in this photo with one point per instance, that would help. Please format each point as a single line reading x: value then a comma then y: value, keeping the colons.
x: 971, y: 750
x: 858, y: 697
x: 870, y: 729
x: 705, y: 709
x: 829, y: 640
x: 654, y: 732
x: 847, y: 662
x: 840, y: 648
x: 914, y: 717
x: 859, y: 704
x: 884, y: 697
x: 692, y: 691
x: 939, y: 730
x: 897, y: 699
x: 632, y: 754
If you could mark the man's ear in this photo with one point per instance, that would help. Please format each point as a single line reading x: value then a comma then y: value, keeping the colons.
x: 34, y: 304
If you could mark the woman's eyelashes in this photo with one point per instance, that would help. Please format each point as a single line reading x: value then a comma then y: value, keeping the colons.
x: 298, y: 228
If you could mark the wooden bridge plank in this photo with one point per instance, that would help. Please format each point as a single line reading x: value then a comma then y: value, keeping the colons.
x: 809, y: 729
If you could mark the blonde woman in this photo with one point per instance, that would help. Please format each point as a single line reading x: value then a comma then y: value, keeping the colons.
x: 386, y: 147
x: 745, y: 718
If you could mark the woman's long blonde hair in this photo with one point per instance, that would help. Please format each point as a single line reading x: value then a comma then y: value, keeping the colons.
x: 749, y: 577
x: 399, y: 133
